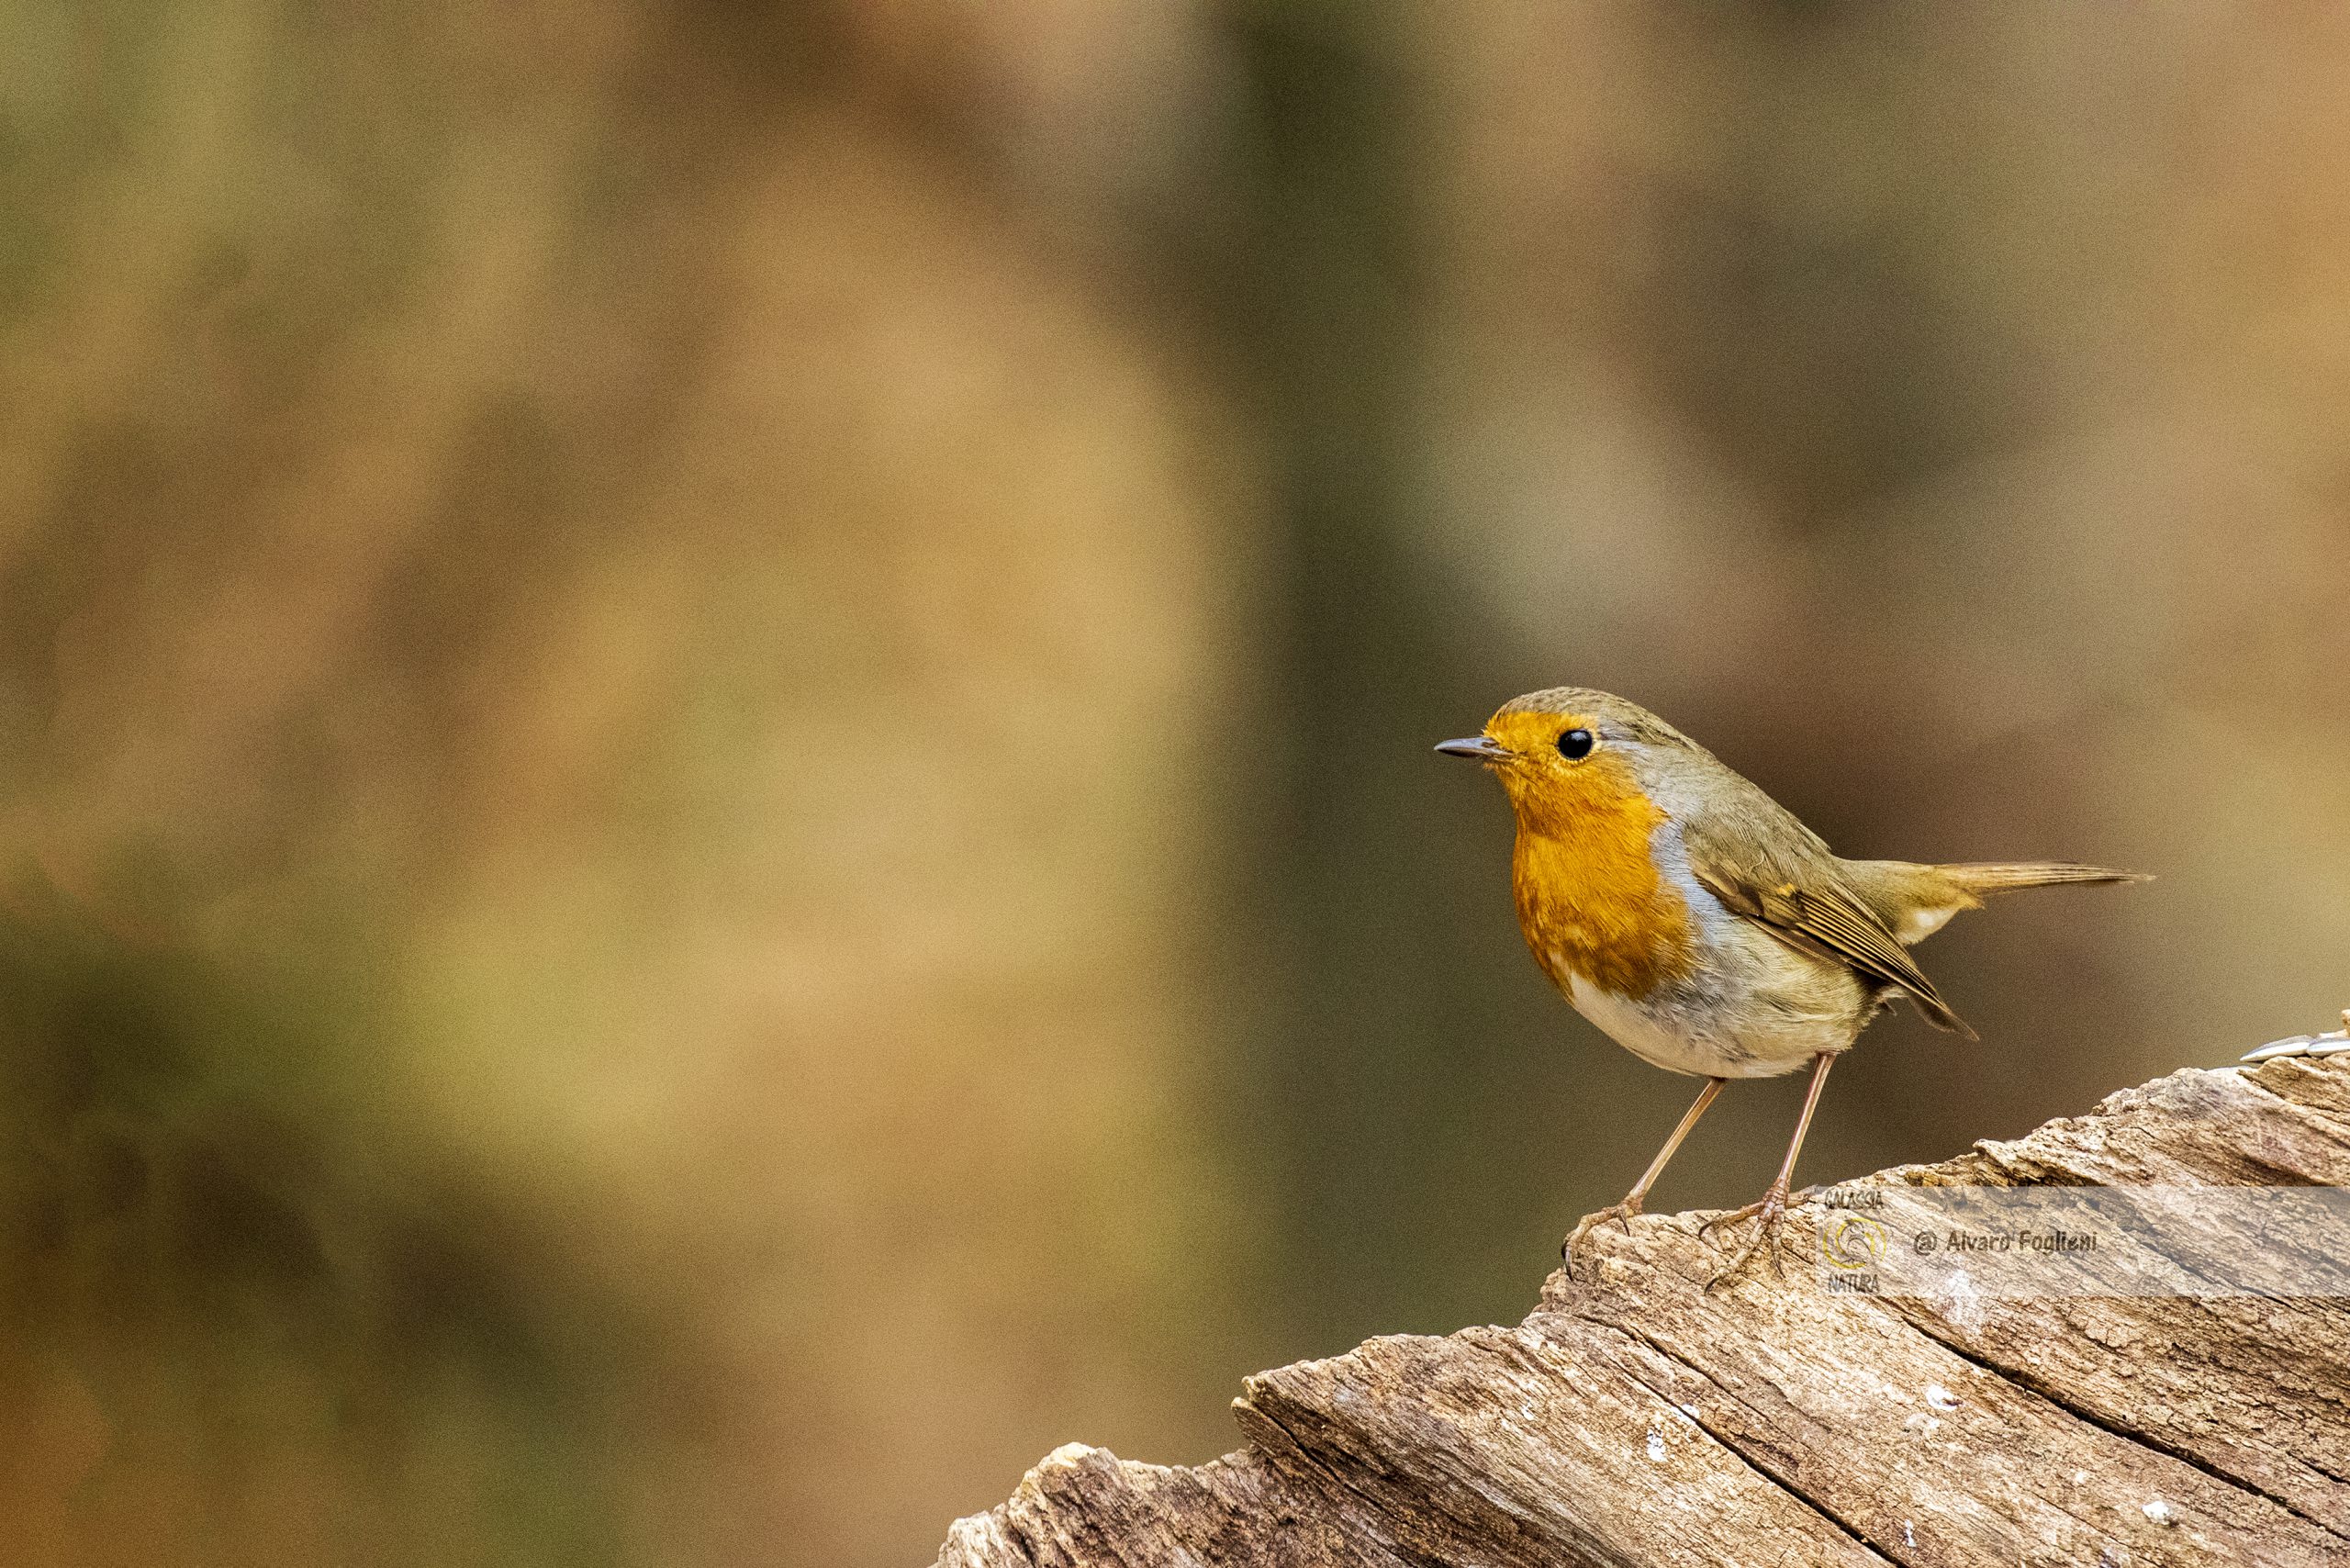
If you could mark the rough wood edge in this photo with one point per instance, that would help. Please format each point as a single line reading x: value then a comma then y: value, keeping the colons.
x: 1635, y: 1417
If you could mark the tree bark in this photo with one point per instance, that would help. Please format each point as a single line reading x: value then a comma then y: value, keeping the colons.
x: 1636, y: 1418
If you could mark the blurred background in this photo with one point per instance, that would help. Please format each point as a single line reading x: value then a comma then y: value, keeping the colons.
x: 715, y: 808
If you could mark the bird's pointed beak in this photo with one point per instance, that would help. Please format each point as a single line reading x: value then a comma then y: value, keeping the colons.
x: 1477, y: 747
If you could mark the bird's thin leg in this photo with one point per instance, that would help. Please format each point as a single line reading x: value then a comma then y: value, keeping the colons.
x: 1633, y: 1200
x: 1773, y: 1204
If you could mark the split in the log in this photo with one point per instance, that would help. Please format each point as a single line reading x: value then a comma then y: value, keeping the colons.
x: 1636, y: 1419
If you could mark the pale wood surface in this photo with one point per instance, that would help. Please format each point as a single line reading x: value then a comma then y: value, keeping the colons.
x: 1637, y: 1418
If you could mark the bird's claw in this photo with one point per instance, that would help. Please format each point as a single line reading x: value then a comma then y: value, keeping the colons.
x: 1771, y: 1209
x: 1622, y: 1213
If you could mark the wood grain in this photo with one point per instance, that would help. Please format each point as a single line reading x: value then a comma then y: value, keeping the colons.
x: 1635, y: 1417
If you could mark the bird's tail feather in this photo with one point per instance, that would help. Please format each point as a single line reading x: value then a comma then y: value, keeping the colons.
x: 1989, y: 877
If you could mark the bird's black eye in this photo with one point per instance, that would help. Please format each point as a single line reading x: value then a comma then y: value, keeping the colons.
x: 1575, y: 745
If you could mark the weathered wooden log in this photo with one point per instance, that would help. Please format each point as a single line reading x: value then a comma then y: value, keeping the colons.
x: 1638, y: 1418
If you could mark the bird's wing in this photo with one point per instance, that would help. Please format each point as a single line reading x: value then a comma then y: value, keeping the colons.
x: 1815, y: 912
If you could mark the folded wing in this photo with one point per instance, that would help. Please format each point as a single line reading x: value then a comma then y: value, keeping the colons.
x: 1809, y: 906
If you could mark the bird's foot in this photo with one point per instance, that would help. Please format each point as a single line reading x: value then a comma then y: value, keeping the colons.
x: 1622, y: 1211
x: 1771, y: 1209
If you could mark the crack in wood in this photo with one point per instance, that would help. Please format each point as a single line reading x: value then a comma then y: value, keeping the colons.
x: 1636, y: 1421
x: 2145, y: 1439
x: 1403, y: 1550
x: 1729, y: 1445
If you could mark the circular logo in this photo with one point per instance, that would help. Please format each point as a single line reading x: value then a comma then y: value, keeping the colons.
x: 1852, y: 1241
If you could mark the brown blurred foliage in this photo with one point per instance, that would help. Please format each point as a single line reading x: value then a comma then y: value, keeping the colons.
x: 713, y: 718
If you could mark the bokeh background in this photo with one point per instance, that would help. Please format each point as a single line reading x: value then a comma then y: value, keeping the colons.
x: 715, y: 719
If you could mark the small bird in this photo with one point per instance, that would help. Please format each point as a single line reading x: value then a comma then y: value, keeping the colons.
x: 1699, y: 923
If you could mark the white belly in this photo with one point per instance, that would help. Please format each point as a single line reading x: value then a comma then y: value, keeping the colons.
x: 1758, y: 1008
x: 1670, y: 1043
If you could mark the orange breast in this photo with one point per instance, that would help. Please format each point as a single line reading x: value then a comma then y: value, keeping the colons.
x: 1590, y: 900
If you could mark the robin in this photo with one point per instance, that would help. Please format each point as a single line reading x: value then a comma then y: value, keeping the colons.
x: 1698, y: 924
